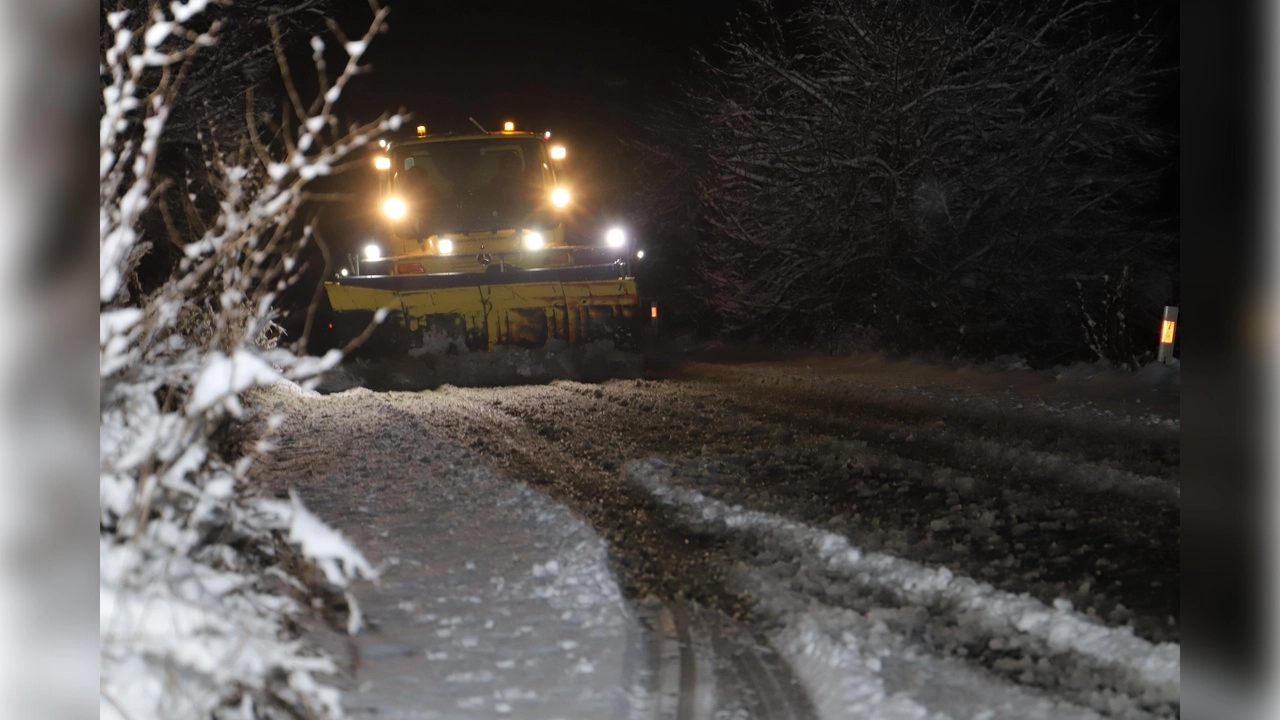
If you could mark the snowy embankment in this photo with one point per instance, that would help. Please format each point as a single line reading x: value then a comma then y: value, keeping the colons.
x: 847, y: 658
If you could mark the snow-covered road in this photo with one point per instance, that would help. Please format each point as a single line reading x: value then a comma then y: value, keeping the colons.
x: 808, y: 538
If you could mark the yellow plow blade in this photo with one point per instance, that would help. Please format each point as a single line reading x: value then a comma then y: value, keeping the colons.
x: 488, y: 310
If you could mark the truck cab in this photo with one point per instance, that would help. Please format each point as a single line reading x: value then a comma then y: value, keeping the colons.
x: 473, y: 245
x: 473, y: 203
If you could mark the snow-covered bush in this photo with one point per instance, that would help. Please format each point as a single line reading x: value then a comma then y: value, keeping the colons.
x: 198, y: 576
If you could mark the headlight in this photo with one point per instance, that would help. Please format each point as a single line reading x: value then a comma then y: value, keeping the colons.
x: 557, y: 152
x: 445, y: 246
x: 372, y: 252
x: 615, y: 238
x: 394, y: 208
x: 533, y: 241
x: 382, y: 162
x: 560, y: 197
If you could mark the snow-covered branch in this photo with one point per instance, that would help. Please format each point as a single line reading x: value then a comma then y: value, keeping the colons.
x: 192, y: 625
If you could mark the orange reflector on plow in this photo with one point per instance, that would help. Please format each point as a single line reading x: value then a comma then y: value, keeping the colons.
x: 409, y: 269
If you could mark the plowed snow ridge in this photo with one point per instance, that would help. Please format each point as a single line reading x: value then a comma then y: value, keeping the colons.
x: 1148, y: 670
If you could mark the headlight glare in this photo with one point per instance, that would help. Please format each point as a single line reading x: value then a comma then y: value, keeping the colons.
x: 445, y: 246
x: 615, y: 238
x: 394, y: 208
x: 560, y: 197
x: 372, y: 252
x: 533, y: 241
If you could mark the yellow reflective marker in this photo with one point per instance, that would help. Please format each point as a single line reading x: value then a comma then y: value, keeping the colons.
x: 1168, y: 329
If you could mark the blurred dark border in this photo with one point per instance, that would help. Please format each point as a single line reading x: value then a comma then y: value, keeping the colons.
x: 1228, y: 610
x: 50, y: 624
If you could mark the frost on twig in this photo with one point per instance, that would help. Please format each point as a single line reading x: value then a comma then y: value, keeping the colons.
x: 191, y: 625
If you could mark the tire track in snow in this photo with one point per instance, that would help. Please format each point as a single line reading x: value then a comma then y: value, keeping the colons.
x: 545, y: 423
x: 708, y: 667
x: 1144, y: 676
x: 683, y: 681
x: 1117, y: 559
x: 1146, y: 442
x: 1086, y: 466
x: 1079, y: 432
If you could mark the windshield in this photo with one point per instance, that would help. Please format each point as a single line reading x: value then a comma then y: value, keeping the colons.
x: 471, y: 185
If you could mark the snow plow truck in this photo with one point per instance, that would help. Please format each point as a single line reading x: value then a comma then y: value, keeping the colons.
x: 474, y: 249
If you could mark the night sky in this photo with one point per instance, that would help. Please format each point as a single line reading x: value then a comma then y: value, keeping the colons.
x: 571, y: 66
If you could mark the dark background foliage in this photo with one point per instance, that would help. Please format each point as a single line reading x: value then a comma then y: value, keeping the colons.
x: 966, y: 178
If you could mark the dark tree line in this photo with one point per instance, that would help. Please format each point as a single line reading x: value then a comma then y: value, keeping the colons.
x: 971, y: 178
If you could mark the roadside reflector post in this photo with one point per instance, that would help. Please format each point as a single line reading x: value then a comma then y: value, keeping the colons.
x: 1168, y: 330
